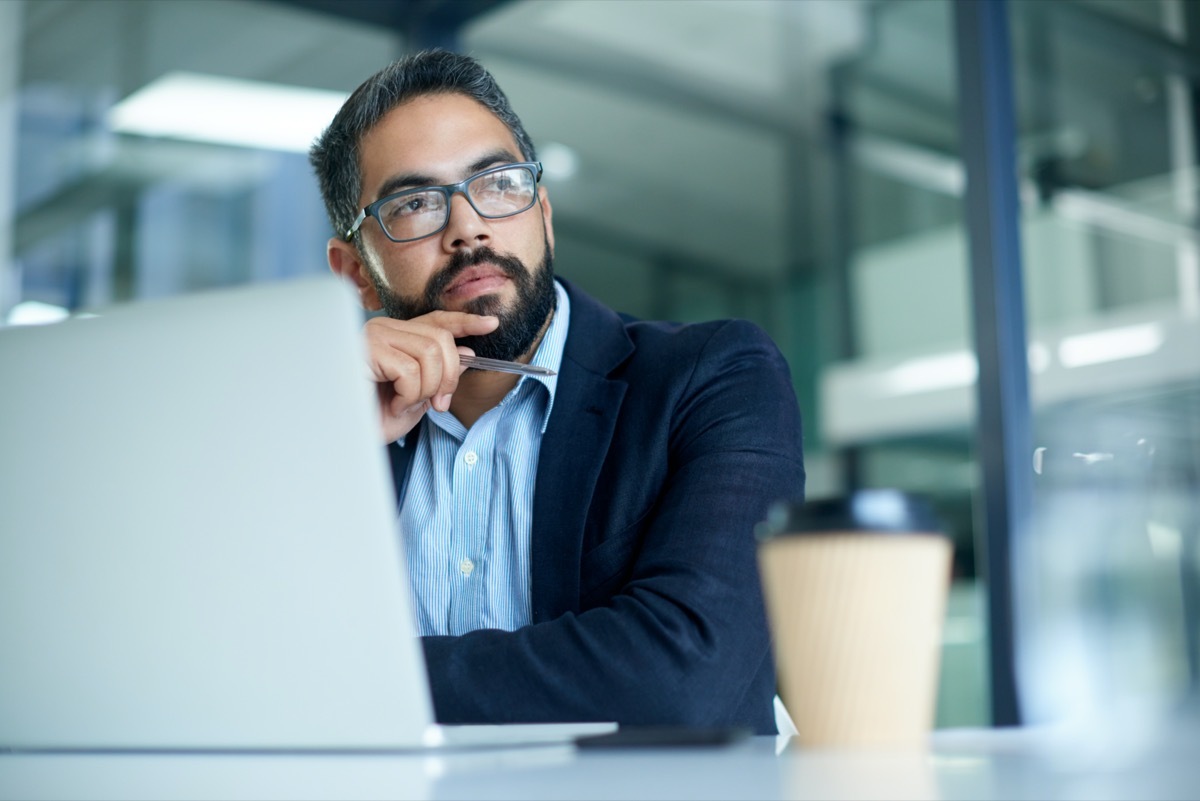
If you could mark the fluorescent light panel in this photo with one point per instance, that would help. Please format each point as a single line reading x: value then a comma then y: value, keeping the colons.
x: 227, y: 111
x: 930, y: 373
x: 948, y: 371
x: 1110, y: 345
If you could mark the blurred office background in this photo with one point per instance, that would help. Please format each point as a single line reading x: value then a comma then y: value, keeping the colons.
x: 801, y: 163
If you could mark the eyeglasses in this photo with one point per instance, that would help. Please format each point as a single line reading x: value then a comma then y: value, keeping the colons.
x: 417, y: 213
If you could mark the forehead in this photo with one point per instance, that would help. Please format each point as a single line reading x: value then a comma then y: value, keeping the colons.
x: 434, y: 135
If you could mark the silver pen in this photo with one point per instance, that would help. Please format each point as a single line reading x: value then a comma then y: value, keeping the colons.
x: 501, y: 366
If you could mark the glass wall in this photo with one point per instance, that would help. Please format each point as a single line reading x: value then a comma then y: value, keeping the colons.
x: 105, y: 216
x: 1107, y: 108
x: 794, y: 163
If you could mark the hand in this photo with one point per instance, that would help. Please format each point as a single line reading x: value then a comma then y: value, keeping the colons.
x: 414, y: 364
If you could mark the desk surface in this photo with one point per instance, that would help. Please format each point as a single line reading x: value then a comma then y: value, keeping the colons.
x: 967, y: 765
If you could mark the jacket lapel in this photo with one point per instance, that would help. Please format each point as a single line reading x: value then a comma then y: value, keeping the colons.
x: 401, y: 461
x: 586, y: 406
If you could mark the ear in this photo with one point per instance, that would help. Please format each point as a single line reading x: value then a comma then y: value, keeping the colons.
x: 346, y: 261
x: 547, y: 216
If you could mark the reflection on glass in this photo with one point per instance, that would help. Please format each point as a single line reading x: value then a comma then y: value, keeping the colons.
x: 1108, y: 576
x: 1103, y: 575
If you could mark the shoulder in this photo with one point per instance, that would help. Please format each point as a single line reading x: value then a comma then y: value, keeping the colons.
x: 711, y: 338
x: 634, y: 346
x: 730, y: 355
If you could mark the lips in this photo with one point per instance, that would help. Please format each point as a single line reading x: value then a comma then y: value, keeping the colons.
x: 476, y: 280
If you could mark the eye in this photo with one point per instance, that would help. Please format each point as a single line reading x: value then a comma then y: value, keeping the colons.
x: 504, y: 182
x: 495, y: 183
x: 413, y: 205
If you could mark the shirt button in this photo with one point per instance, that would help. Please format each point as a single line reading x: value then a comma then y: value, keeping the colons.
x: 466, y: 566
x: 470, y: 457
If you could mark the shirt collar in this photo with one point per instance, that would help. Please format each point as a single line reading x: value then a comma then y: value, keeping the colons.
x: 550, y: 351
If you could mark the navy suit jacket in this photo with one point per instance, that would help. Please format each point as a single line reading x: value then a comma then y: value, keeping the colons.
x: 664, y: 448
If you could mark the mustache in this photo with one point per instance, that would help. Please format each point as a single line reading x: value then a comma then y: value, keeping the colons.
x: 462, y: 260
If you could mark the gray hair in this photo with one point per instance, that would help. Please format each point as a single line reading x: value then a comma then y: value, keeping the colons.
x: 334, y: 156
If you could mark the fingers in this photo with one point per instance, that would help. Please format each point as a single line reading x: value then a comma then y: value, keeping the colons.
x: 396, y: 421
x: 442, y: 402
x: 420, y: 356
x: 415, y: 363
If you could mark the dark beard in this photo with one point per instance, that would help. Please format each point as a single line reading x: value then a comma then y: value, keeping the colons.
x: 519, y: 326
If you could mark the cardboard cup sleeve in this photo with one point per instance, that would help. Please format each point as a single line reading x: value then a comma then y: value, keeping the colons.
x: 856, y: 609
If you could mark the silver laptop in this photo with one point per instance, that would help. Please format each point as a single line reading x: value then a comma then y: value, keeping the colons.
x: 198, y: 545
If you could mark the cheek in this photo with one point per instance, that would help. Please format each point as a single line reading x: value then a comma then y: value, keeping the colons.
x: 402, y: 271
x: 536, y: 240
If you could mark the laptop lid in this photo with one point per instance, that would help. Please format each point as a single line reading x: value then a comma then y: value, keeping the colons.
x: 197, y: 531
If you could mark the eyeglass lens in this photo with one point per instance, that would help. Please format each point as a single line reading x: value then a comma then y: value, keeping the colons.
x: 494, y: 194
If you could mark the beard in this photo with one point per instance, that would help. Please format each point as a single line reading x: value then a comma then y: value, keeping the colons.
x: 519, y: 325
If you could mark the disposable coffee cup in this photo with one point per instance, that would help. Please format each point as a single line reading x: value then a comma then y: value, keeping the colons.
x: 856, y: 596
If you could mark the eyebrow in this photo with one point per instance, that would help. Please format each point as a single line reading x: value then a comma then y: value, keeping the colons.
x: 413, y: 180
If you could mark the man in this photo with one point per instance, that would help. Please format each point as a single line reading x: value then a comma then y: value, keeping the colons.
x: 581, y: 545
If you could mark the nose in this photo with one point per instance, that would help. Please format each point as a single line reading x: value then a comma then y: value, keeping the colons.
x: 465, y: 228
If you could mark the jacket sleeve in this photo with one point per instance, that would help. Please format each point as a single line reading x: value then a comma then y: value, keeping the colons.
x: 682, y: 637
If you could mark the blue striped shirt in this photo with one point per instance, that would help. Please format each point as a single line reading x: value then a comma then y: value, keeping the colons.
x: 467, y: 512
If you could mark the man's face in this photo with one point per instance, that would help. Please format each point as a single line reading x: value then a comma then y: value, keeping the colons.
x: 501, y: 267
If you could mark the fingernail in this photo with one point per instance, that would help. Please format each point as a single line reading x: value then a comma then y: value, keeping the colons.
x: 442, y: 402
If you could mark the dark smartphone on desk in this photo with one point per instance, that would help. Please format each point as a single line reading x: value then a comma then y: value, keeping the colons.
x: 664, y: 737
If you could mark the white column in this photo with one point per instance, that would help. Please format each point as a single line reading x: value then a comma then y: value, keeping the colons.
x: 10, y: 64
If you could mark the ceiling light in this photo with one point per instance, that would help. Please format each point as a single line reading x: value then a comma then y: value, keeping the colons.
x: 929, y: 373
x: 227, y: 111
x: 34, y: 312
x: 1110, y: 345
x: 559, y: 161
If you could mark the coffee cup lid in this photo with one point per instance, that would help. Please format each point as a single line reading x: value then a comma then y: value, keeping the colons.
x: 884, y: 511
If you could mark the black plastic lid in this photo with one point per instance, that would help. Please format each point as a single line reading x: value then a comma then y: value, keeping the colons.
x: 882, y: 511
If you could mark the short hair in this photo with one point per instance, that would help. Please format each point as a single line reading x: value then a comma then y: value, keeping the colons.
x: 334, y: 156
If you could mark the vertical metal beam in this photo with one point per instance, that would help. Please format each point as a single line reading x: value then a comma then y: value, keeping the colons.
x: 839, y: 129
x: 10, y: 67
x: 1181, y: 119
x: 1183, y: 25
x: 125, y: 262
x: 987, y: 131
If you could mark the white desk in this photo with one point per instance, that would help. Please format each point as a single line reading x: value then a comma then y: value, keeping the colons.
x: 960, y: 765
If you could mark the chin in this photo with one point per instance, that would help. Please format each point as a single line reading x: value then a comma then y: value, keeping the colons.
x: 490, y: 304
